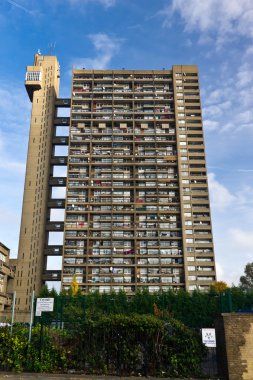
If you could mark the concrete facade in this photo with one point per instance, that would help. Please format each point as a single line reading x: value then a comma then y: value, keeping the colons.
x: 42, y: 83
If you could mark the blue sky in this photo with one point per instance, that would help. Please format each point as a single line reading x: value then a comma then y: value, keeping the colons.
x: 142, y: 34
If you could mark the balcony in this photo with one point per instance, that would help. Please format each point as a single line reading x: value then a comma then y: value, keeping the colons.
x: 5, y: 299
x: 4, y: 269
x: 33, y: 80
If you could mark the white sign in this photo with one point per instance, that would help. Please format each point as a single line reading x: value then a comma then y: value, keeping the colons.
x: 44, y: 304
x: 208, y: 337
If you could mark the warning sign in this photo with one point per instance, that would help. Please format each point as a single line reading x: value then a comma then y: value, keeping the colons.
x: 208, y: 337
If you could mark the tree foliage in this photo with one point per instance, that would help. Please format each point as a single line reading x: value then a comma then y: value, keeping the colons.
x: 246, y: 281
x: 219, y: 286
x: 115, y: 344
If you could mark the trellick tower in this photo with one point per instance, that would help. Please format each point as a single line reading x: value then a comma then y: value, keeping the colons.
x: 137, y: 208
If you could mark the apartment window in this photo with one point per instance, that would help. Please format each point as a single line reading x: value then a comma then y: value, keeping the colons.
x: 190, y: 258
x: 189, y: 241
x: 188, y: 232
x: 191, y: 268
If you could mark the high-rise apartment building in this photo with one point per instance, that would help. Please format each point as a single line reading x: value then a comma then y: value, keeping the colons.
x: 6, y: 278
x: 137, y: 207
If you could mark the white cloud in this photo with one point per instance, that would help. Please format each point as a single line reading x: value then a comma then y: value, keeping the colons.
x: 221, y: 197
x: 105, y: 46
x: 219, y: 271
x: 211, y: 125
x: 243, y: 239
x: 223, y: 17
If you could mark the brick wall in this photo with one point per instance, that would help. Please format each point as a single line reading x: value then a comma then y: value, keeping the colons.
x: 234, y: 333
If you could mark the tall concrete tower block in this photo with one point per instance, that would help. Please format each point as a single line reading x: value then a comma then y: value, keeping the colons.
x: 42, y: 85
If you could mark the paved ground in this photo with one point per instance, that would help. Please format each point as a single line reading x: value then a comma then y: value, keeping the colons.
x: 35, y: 376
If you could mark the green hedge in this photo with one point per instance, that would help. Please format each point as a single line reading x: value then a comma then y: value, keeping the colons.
x: 113, y: 344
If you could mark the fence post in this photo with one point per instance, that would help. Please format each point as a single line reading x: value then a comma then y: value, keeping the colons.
x: 13, y: 310
x: 31, y: 318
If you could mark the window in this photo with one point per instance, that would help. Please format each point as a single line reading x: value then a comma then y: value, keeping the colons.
x: 191, y: 268
x: 33, y: 75
x: 189, y: 241
x: 188, y: 232
x: 190, y: 258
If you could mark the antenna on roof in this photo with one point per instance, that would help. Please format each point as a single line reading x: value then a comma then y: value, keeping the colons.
x: 51, y: 47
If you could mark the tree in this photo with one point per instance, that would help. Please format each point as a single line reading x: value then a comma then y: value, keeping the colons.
x: 219, y: 286
x: 246, y: 282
